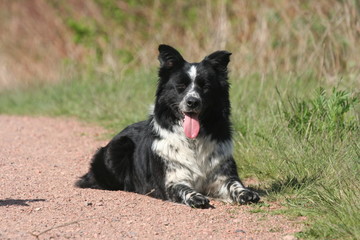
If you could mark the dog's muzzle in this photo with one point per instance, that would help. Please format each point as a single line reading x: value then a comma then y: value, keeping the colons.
x: 191, y: 103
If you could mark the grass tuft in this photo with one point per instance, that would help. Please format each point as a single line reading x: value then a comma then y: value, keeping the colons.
x: 322, y: 114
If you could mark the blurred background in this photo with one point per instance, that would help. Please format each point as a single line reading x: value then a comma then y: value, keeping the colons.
x: 294, y: 77
x: 43, y: 40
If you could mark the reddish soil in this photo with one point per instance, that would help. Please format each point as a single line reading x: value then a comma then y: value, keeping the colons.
x: 40, y: 158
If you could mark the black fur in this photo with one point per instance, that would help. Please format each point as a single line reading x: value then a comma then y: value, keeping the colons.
x: 154, y: 157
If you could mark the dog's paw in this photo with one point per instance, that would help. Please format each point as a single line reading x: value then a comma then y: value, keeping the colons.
x: 198, y: 201
x: 246, y: 196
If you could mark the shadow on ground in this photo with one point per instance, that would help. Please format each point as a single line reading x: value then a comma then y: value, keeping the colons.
x: 19, y: 202
x: 285, y: 184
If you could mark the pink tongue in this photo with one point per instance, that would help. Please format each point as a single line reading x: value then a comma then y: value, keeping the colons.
x: 191, y: 126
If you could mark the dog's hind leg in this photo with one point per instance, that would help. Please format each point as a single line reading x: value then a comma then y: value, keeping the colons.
x: 111, y: 167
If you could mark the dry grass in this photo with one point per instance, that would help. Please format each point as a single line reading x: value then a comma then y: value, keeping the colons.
x: 266, y: 37
x: 31, y: 44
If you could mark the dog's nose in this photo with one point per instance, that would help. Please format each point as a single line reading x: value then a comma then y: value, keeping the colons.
x: 192, y: 102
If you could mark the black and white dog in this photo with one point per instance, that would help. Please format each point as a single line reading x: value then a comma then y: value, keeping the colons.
x: 183, y: 152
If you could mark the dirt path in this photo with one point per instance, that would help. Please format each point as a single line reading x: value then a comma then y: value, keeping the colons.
x: 40, y: 158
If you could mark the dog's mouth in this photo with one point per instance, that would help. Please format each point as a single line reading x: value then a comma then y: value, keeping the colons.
x: 191, y: 124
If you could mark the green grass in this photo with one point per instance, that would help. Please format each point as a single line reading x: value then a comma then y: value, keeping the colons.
x: 301, y: 141
x: 106, y: 99
x: 307, y: 154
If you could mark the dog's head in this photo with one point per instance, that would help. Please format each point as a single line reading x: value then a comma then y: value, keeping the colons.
x: 192, y: 92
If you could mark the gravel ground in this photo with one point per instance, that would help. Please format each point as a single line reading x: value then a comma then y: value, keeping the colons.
x: 40, y: 158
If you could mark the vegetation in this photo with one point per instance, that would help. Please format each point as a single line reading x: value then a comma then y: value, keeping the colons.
x: 318, y: 38
x: 294, y: 76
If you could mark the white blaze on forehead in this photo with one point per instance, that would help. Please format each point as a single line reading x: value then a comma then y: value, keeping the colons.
x: 192, y: 73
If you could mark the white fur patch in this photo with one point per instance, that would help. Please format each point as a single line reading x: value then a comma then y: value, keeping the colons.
x: 191, y: 92
x: 192, y: 73
x: 151, y: 109
x: 190, y: 161
x: 219, y: 189
x: 225, y: 191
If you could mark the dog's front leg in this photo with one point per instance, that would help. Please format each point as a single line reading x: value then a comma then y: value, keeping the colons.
x: 226, y: 185
x: 238, y: 193
x: 182, y: 193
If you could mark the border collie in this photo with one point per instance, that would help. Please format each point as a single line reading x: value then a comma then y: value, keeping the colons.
x: 183, y: 152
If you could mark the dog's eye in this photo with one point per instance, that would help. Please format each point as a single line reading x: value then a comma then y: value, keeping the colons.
x: 180, y: 87
x: 203, y: 85
x: 206, y: 88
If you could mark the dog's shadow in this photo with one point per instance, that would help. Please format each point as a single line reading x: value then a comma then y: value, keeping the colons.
x: 18, y: 202
x: 282, y: 185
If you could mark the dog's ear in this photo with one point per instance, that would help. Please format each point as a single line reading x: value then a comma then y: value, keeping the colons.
x: 219, y: 60
x: 169, y: 57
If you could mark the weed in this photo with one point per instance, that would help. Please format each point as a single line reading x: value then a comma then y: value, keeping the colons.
x: 275, y: 229
x: 322, y: 114
x: 257, y: 210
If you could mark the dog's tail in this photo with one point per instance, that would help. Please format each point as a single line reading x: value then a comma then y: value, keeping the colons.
x: 89, y: 180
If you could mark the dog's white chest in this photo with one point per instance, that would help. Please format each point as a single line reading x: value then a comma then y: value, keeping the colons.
x: 189, y: 159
